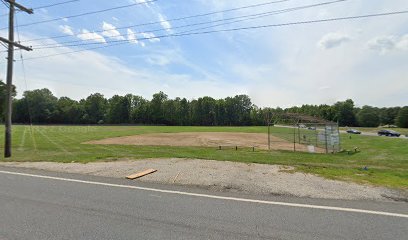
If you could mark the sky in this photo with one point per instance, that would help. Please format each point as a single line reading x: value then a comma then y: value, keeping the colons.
x: 362, y: 59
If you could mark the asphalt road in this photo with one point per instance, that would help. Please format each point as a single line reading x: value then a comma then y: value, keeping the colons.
x: 33, y: 207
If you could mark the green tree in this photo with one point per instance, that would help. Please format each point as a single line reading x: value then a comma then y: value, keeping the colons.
x: 95, y: 107
x: 206, y: 111
x: 402, y: 118
x: 388, y: 115
x: 20, y: 111
x: 3, y: 95
x: 41, y: 105
x: 119, y: 109
x: 69, y: 111
x: 368, y: 117
x: 243, y: 108
x: 157, y: 107
x: 183, y: 112
x: 140, y: 110
x: 344, y: 113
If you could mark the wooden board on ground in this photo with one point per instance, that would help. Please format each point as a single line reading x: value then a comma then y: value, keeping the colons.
x: 141, y: 174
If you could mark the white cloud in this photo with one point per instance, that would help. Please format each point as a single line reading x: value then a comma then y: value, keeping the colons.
x: 144, y: 2
x: 131, y: 36
x: 382, y: 44
x: 403, y: 42
x: 150, y: 36
x: 66, y: 29
x: 385, y: 44
x: 111, y: 32
x: 159, y: 60
x: 91, y: 36
x: 68, y: 77
x: 164, y: 23
x: 332, y: 40
x: 276, y: 66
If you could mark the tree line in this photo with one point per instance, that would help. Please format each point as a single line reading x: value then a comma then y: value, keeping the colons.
x: 40, y: 106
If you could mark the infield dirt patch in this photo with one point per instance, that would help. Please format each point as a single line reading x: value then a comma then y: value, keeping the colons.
x: 203, y: 139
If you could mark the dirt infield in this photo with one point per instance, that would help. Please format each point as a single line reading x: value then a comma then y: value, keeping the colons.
x: 203, y: 139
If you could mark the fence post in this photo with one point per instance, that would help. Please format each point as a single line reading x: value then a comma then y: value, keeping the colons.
x: 294, y: 138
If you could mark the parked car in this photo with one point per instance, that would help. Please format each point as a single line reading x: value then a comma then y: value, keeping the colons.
x: 388, y: 133
x: 353, y: 131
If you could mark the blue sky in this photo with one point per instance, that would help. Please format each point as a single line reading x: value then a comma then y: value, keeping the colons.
x: 366, y: 60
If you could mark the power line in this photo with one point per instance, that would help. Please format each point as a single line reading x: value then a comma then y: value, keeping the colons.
x: 49, y: 5
x: 85, y: 13
x: 173, y: 19
x: 120, y: 42
x: 245, y: 17
x: 5, y: 4
x: 55, y: 4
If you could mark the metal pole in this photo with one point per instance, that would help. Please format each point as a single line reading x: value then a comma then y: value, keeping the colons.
x: 325, y: 138
x: 298, y: 133
x: 294, y: 138
x: 269, y: 136
x: 338, y: 132
x: 9, y: 87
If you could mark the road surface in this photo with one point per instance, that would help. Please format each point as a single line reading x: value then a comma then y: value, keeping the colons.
x: 45, y: 205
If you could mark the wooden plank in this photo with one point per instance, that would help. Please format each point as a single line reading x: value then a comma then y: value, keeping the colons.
x: 141, y: 174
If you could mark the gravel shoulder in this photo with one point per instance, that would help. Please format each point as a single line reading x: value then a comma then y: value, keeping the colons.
x: 226, y: 176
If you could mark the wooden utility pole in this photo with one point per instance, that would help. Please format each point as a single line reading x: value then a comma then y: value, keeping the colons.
x: 10, y: 60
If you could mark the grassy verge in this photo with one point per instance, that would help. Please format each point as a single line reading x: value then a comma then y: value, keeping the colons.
x: 386, y: 159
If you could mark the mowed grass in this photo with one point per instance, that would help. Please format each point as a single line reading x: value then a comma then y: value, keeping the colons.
x: 385, y: 158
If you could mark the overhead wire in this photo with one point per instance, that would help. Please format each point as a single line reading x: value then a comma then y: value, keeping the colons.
x: 173, y: 19
x: 47, y: 6
x: 5, y: 4
x: 86, y: 13
x: 243, y: 18
x: 25, y: 82
x: 55, y: 4
x: 120, y: 42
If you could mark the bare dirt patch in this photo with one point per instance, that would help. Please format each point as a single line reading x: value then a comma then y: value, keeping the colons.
x: 203, y: 139
x: 224, y: 176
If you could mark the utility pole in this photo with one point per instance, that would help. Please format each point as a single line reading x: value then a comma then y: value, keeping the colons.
x: 10, y: 60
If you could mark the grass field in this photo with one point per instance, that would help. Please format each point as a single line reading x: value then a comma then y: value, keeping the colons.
x: 385, y: 158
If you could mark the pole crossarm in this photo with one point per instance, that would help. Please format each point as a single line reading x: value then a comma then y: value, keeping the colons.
x: 21, y: 7
x: 16, y: 44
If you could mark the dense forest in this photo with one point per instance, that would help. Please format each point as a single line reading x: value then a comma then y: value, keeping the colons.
x: 42, y: 107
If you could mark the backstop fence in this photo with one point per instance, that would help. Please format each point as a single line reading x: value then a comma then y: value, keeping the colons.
x: 296, y: 132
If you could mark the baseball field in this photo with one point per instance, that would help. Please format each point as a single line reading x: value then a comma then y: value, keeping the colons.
x: 379, y: 161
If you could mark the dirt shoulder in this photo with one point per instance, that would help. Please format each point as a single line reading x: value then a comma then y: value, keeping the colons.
x: 225, y: 176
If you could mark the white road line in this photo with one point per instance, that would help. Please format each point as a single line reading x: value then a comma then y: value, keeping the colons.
x: 298, y: 205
